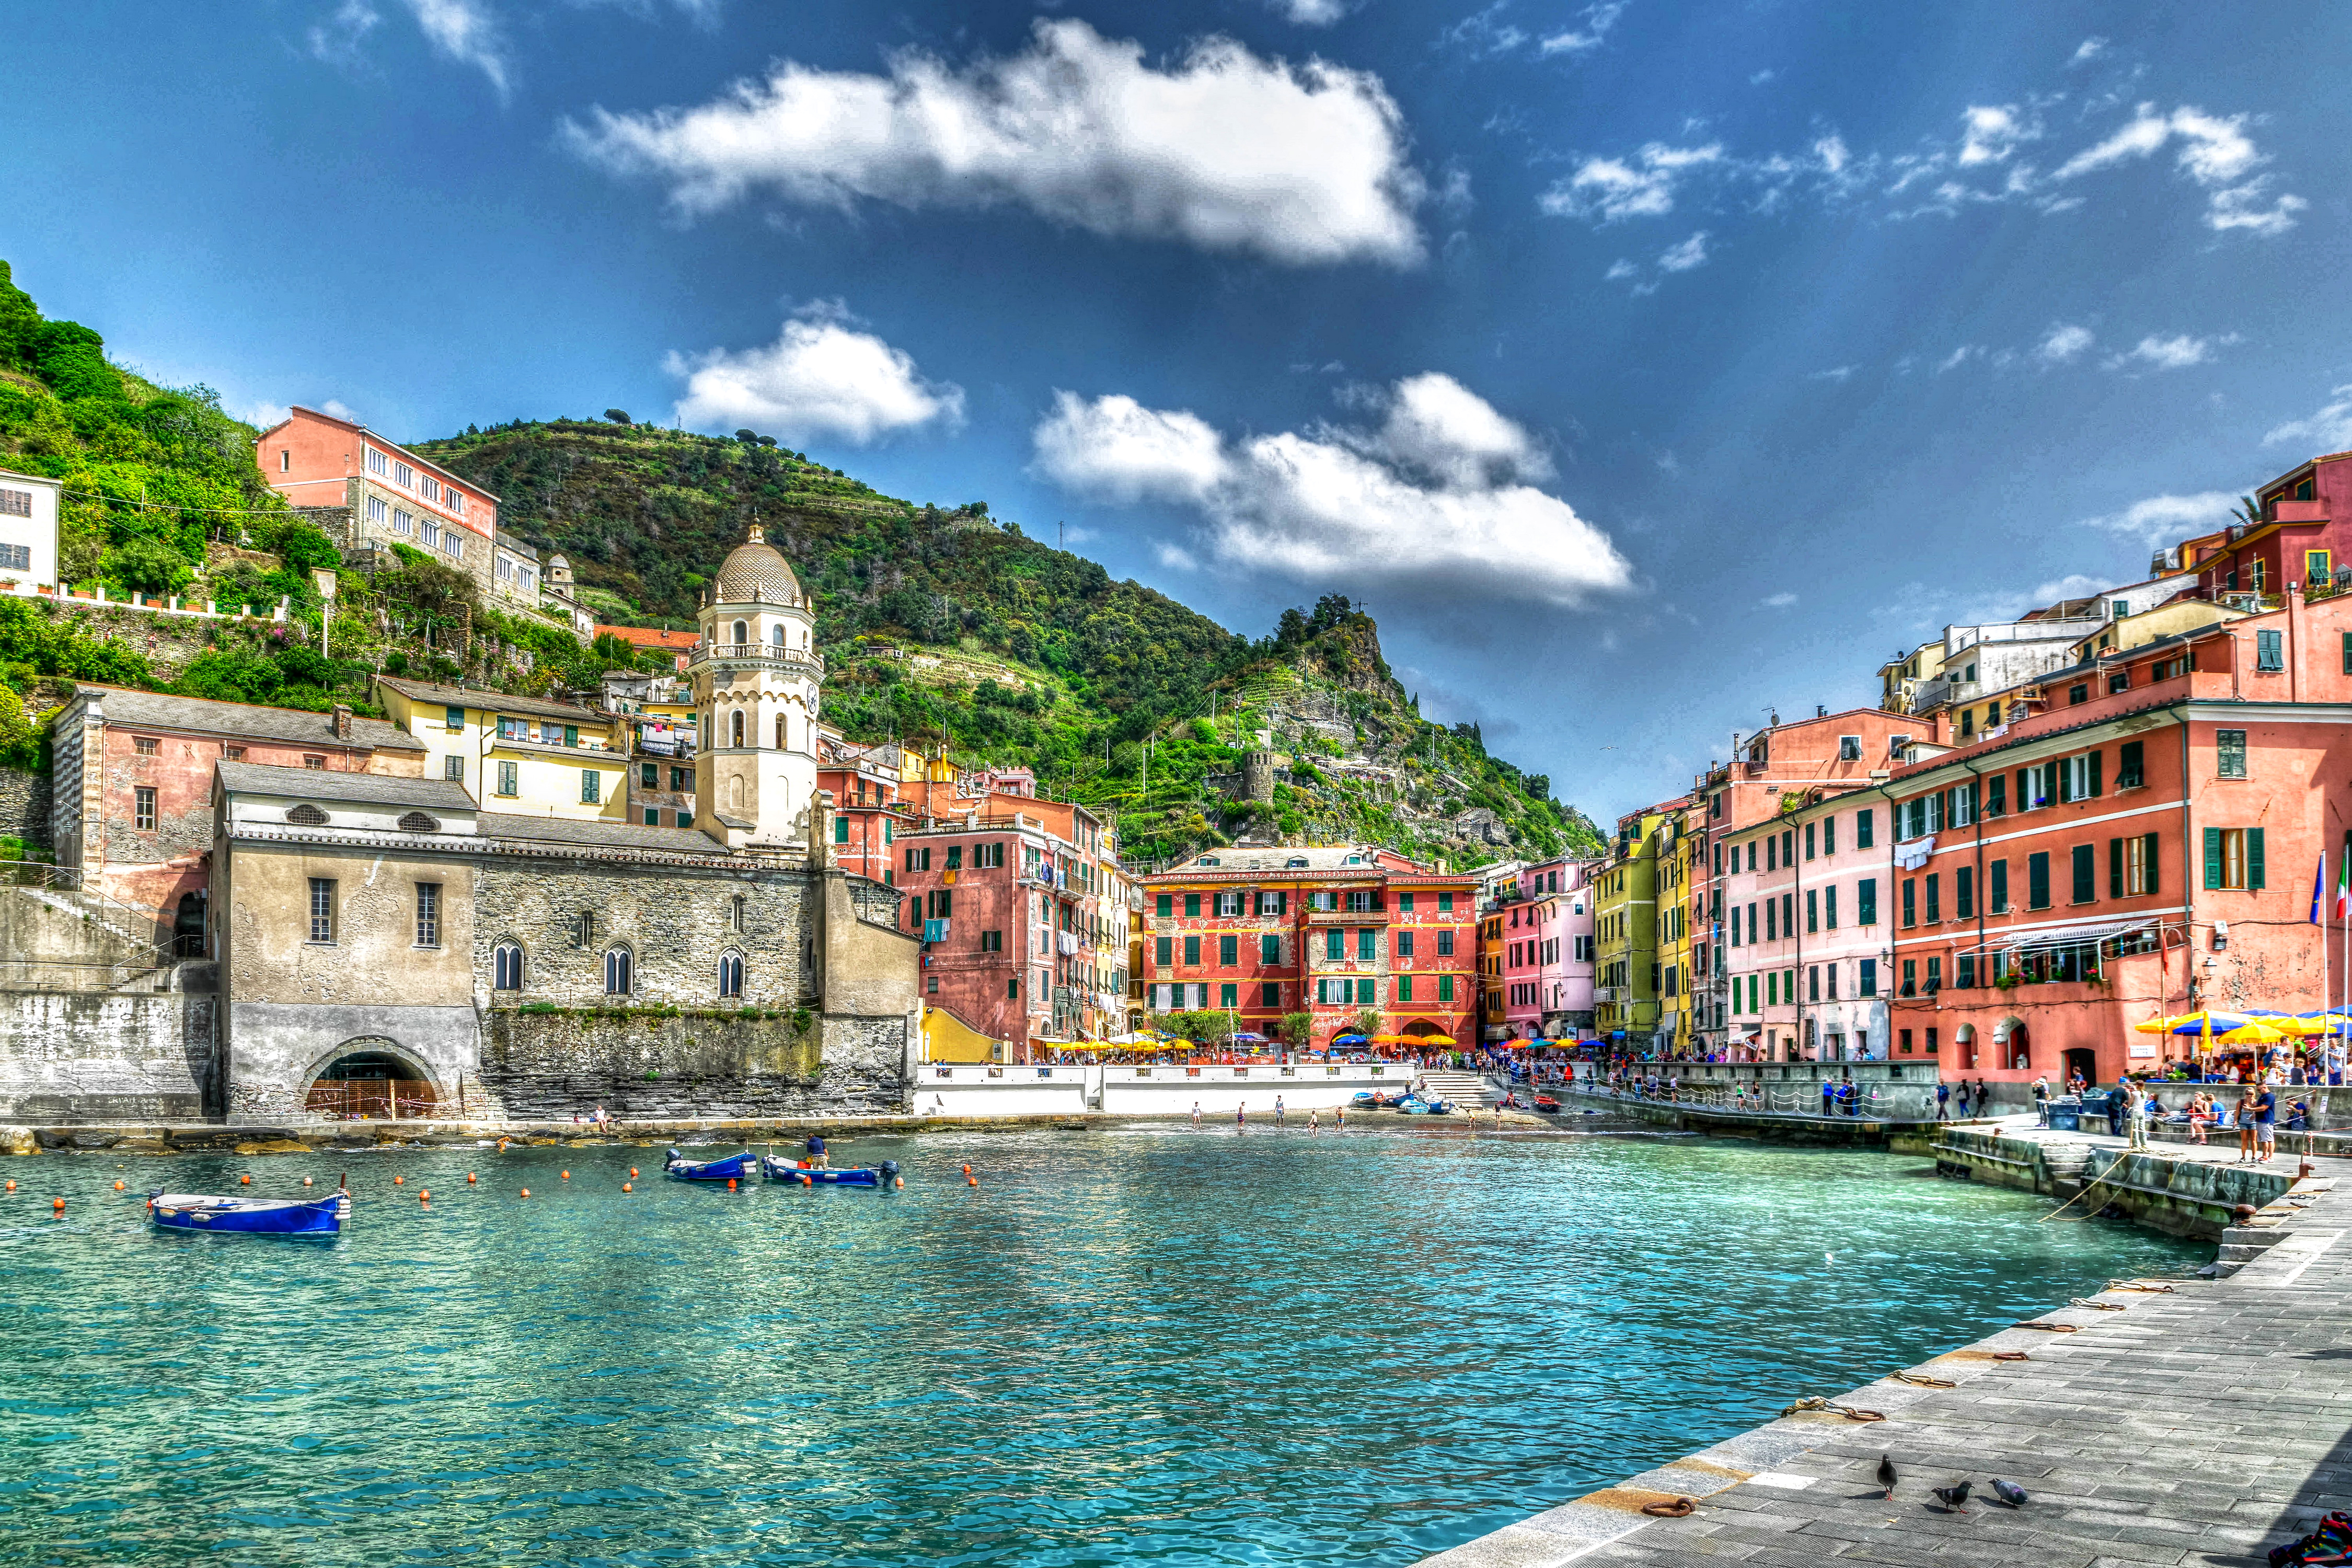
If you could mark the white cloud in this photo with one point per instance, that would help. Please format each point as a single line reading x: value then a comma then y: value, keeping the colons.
x: 338, y: 38
x: 1840, y: 373
x: 1614, y: 188
x: 2064, y: 345
x: 2329, y: 429
x: 1780, y: 600
x: 1993, y: 132
x: 261, y: 414
x: 1682, y: 258
x: 1591, y: 31
x: 1435, y: 498
x: 2176, y: 352
x: 819, y: 379
x: 467, y: 33
x: 340, y: 410
x: 1761, y: 78
x: 1226, y: 150
x: 1311, y: 13
x: 2160, y: 520
x: 1958, y: 357
x: 1619, y: 269
x: 2089, y: 49
x: 2215, y: 153
x: 1117, y: 448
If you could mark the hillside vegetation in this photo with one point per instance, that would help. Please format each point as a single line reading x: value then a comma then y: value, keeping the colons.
x: 948, y: 627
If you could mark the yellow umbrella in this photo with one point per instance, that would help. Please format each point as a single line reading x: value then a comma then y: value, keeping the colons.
x: 1436, y: 1039
x: 2257, y: 1033
x: 2166, y: 1025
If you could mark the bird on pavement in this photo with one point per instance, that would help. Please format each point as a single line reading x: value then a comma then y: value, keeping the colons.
x: 2008, y: 1492
x: 1886, y: 1476
x: 1952, y: 1497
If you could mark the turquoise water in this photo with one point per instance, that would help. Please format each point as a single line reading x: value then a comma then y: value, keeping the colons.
x: 1154, y: 1345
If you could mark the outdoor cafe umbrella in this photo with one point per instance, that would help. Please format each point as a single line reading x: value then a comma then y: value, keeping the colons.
x: 2254, y: 1032
x: 1351, y: 1040
x: 1436, y: 1039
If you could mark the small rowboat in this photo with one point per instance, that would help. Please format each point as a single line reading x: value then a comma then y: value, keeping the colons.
x: 779, y: 1169
x: 743, y: 1167
x: 251, y: 1216
x: 1547, y: 1103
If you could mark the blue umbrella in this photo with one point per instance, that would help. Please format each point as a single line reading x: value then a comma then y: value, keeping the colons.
x: 1350, y: 1040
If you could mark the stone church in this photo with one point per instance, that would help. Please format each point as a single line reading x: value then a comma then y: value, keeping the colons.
x: 372, y: 929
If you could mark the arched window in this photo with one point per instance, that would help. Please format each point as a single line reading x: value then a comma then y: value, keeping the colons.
x: 742, y: 633
x: 730, y: 974
x: 506, y: 967
x: 617, y: 977
x: 781, y: 733
x: 776, y: 638
x: 735, y: 728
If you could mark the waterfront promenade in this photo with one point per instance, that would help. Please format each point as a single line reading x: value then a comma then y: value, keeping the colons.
x: 2198, y: 1424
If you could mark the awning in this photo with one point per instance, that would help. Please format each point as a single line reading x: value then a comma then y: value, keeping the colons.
x: 2075, y: 936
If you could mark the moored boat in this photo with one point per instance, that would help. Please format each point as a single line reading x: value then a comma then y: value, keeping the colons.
x: 251, y: 1216
x: 740, y: 1167
x: 779, y: 1169
x: 1547, y: 1103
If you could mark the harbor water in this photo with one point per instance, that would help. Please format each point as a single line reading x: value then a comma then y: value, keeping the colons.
x: 1142, y: 1345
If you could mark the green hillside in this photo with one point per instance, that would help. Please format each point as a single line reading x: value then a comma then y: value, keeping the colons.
x: 949, y: 625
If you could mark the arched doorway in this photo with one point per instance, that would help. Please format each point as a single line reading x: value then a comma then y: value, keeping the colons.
x: 2013, y: 1047
x: 1965, y: 1037
x: 2085, y: 1060
x: 370, y: 1079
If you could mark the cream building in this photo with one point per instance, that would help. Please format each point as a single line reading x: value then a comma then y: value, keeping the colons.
x: 756, y: 674
x: 525, y: 755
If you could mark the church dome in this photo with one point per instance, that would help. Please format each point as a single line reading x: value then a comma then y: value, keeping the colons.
x: 755, y: 571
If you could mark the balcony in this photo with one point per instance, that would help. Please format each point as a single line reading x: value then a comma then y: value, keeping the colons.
x: 805, y: 661
x: 2298, y: 511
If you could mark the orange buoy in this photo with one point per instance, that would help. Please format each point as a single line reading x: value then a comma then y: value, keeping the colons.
x: 306, y: 1180
x: 567, y: 1175
x: 424, y: 1196
x: 526, y: 1192
x: 805, y: 1180
x: 972, y: 1181
x: 966, y: 1170
x: 898, y: 1181
x: 730, y: 1183
x: 12, y: 1187
x: 58, y: 1205
x: 245, y: 1181
x: 470, y: 1178
x: 627, y: 1188
x: 118, y: 1186
x: 397, y: 1180
x: 633, y: 1172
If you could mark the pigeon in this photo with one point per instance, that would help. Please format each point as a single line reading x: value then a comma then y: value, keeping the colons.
x: 1952, y: 1497
x: 1886, y: 1476
x: 2008, y: 1492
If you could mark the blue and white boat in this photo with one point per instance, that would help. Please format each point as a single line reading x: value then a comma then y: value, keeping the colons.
x: 779, y: 1169
x: 741, y: 1167
x: 251, y: 1216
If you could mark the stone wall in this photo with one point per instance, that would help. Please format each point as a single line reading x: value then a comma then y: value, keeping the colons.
x: 99, y: 1058
x: 24, y: 806
x: 648, y: 1065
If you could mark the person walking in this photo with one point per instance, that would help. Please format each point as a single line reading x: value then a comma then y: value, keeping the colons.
x: 1240, y: 1115
x: 1984, y: 1098
x: 1196, y: 1116
x: 1313, y: 1123
x: 2139, y: 1102
x: 2244, y: 1116
x: 2265, y: 1124
x: 1963, y: 1098
x: 1278, y: 1111
x: 1943, y: 1101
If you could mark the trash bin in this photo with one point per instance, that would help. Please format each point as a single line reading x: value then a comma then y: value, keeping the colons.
x: 2063, y: 1116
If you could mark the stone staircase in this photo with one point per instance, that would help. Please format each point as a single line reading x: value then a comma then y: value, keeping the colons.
x: 1465, y: 1088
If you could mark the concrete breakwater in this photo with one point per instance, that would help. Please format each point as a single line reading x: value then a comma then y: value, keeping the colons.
x: 2185, y: 1196
x: 2154, y: 1422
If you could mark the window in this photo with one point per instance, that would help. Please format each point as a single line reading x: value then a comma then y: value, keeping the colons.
x: 2084, y: 863
x: 1930, y: 1035
x: 1910, y: 986
x: 1192, y: 952
x: 1934, y: 974
x: 1192, y: 906
x: 2270, y: 651
x: 143, y: 805
x: 955, y: 856
x: 1861, y: 830
x: 1445, y: 907
x: 686, y: 819
x: 1809, y: 841
x: 743, y: 634
x: 1772, y: 853
x: 782, y: 743
x: 403, y: 476
x: 1772, y: 920
x: 2230, y: 748
x: 988, y: 856
x: 2078, y: 693
x: 2131, y: 865
x: 1865, y: 901
x: 2034, y: 785
x: 143, y: 746
x: 1903, y: 1042
x: 507, y: 782
x: 377, y: 511
x: 1828, y: 909
x: 1849, y: 748
x: 1163, y: 951
x: 1269, y: 949
x: 322, y: 909
x: 2234, y: 858
x: 315, y: 762
x: 1829, y: 834
x: 1866, y: 985
x: 1997, y: 796
x: 1910, y: 901
x: 506, y: 967
x: 1165, y: 906
x: 428, y: 914
x: 653, y: 817
x: 1813, y: 911
x: 2131, y: 766
x: 1365, y: 949
x: 679, y: 780
x: 592, y: 786
x: 1445, y: 944
x: 649, y: 776
x: 618, y: 975
x: 2037, y: 880
x: 1773, y: 988
x: 1997, y: 888
x: 1228, y: 951
x: 2078, y: 777
x: 584, y: 930
x: 376, y: 462
x: 1269, y: 995
x: 1964, y: 892
x: 1813, y: 982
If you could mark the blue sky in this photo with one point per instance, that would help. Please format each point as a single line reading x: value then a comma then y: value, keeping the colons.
x: 1643, y: 366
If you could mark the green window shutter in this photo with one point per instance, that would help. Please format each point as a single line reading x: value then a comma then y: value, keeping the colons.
x: 2253, y: 859
x: 2066, y: 781
x: 1364, y: 991
x: 2037, y: 880
x: 2087, y: 881
x: 2212, y: 856
x: 1282, y: 901
x: 2115, y: 867
x: 2348, y: 653
x: 841, y: 830
x: 1446, y: 988
x: 2148, y: 856
x: 1192, y: 952
x: 2097, y: 788
x: 1404, y: 987
x: 1773, y: 988
x: 1164, y: 951
x: 1166, y: 906
x: 1332, y: 950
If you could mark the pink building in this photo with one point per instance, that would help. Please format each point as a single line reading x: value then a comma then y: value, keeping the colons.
x: 1547, y: 952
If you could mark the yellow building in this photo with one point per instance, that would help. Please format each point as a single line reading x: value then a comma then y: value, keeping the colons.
x: 520, y: 754
x: 1629, y: 971
x: 1682, y: 841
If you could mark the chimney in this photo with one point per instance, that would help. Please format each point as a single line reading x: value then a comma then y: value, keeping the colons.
x: 342, y: 721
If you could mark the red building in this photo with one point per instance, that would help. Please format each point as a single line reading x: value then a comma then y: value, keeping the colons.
x: 2304, y: 535
x: 365, y: 490
x: 133, y: 809
x: 2140, y: 837
x: 1022, y: 908
x: 1332, y: 932
x: 864, y: 783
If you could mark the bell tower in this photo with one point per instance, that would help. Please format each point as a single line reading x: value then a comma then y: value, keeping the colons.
x: 756, y: 677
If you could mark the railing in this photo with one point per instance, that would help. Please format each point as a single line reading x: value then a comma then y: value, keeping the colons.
x: 67, y: 880
x: 350, y: 1099
x: 761, y: 650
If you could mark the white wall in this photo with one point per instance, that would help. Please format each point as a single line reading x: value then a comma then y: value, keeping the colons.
x: 1012, y: 1090
x: 37, y: 534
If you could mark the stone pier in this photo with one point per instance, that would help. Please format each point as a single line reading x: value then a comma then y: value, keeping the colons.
x: 2196, y: 1422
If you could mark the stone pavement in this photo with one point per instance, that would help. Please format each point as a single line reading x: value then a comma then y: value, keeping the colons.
x: 2200, y: 1426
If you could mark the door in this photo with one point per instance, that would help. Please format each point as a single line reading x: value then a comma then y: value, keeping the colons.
x: 2085, y: 1060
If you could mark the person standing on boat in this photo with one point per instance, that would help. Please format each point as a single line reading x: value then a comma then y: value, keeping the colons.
x: 817, y: 1152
